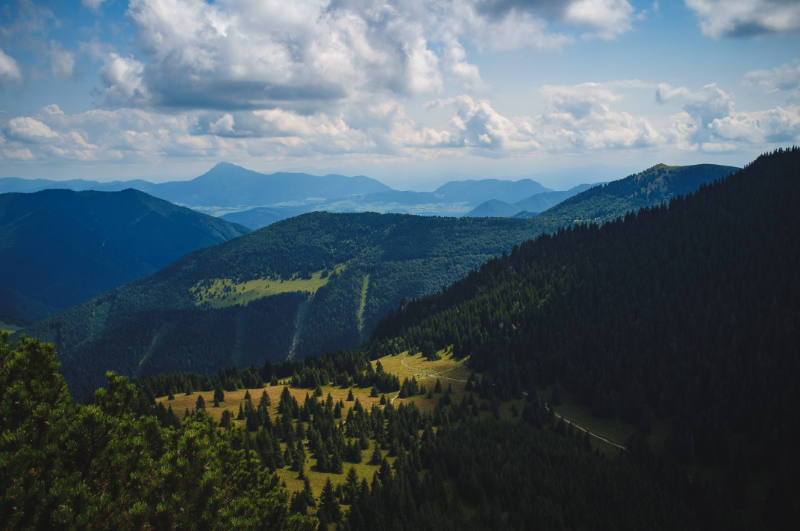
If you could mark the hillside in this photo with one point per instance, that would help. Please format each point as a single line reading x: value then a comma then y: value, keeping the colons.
x: 59, y: 248
x: 321, y: 281
x: 681, y: 315
x: 299, y: 287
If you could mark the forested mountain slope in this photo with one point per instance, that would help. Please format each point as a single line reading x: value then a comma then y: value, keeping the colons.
x: 59, y: 248
x: 683, y: 314
x: 648, y: 188
x: 301, y: 287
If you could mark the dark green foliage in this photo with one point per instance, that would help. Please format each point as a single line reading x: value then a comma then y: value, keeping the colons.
x: 683, y: 312
x: 101, y: 466
x: 329, y: 511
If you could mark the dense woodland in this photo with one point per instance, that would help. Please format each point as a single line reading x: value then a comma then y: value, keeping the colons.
x: 679, y: 317
x: 684, y: 313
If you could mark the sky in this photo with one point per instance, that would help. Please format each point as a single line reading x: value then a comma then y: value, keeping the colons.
x: 411, y: 92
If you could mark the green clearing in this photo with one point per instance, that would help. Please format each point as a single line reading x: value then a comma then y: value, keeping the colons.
x: 224, y: 292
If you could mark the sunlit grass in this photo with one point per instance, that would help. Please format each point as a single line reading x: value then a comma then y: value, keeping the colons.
x: 223, y: 292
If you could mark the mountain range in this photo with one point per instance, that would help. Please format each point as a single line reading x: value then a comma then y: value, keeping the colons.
x: 256, y: 199
x: 527, y: 207
x: 307, y: 285
x: 59, y: 247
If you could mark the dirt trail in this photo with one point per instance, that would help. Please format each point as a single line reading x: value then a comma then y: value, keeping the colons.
x: 586, y: 430
x: 300, y: 320
x: 361, y: 305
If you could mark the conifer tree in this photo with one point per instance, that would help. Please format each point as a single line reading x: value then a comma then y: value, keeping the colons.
x: 329, y: 511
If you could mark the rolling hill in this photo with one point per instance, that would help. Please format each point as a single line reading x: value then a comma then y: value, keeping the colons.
x: 300, y: 287
x: 59, y: 247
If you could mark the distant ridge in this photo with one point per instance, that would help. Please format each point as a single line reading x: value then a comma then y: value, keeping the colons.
x: 59, y: 247
x: 530, y: 205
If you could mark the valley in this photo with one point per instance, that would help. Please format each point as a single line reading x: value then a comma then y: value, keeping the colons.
x: 400, y: 266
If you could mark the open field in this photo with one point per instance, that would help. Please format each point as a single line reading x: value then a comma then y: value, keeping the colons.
x: 223, y: 292
x: 448, y: 370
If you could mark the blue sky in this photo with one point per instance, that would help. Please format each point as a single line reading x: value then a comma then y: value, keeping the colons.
x: 411, y: 92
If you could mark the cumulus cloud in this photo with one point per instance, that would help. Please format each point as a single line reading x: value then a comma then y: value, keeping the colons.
x: 583, y: 116
x: 311, y: 55
x: 123, y: 78
x: 785, y: 78
x: 741, y: 18
x: 9, y: 70
x: 29, y: 130
x: 709, y: 121
x: 577, y: 117
x: 609, y: 18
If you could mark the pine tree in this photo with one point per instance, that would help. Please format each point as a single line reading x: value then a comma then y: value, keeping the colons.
x: 226, y: 420
x: 376, y: 456
x: 350, y: 395
x: 329, y: 511
x: 200, y: 404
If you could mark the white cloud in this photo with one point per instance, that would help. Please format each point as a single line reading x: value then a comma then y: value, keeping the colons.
x: 609, y: 18
x: 311, y: 55
x: 123, y: 79
x: 780, y: 125
x: 9, y: 70
x: 785, y: 78
x: 710, y: 122
x: 736, y: 18
x: 29, y: 130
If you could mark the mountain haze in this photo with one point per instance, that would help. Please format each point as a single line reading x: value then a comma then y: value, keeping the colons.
x: 59, y: 247
x: 530, y: 205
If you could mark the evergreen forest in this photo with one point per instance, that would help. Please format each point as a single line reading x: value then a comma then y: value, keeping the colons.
x: 678, y: 320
